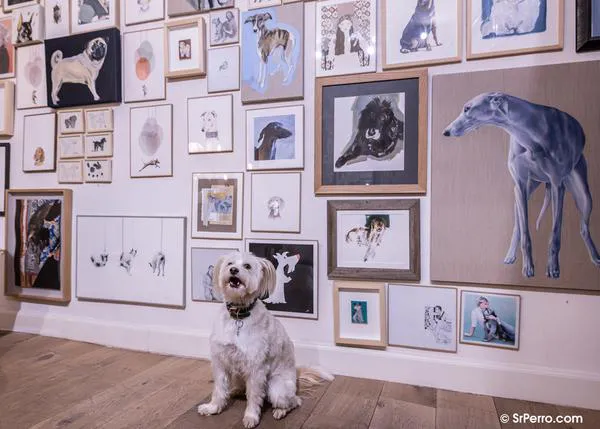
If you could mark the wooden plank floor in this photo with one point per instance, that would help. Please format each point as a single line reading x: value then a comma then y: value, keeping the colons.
x: 53, y: 383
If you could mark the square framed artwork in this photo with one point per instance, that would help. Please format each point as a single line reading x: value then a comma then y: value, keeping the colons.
x: 588, y: 25
x: 7, y: 49
x: 275, y: 138
x: 514, y: 29
x: 224, y: 27
x: 185, y: 49
x: 203, y: 260
x: 38, y: 244
x: 57, y: 18
x: 217, y: 205
x: 405, y: 44
x: 144, y: 11
x: 97, y: 170
x: 374, y: 239
x: 98, y: 145
x: 422, y: 317
x: 296, y: 267
x: 356, y: 154
x: 93, y: 15
x: 223, y: 69
x: 39, y: 143
x: 70, y: 122
x: 70, y: 171
x: 359, y: 314
x: 189, y: 7
x: 28, y: 25
x: 70, y: 146
x: 210, y: 124
x: 151, y: 141
x: 131, y: 259
x: 31, y: 77
x: 7, y: 108
x: 490, y: 319
x: 280, y: 76
x: 143, y: 65
x: 275, y: 202
x: 259, y: 4
x: 4, y: 178
x: 346, y: 41
x: 9, y: 5
x: 98, y: 120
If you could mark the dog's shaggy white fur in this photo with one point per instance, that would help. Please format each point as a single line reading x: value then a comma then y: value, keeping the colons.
x: 253, y: 354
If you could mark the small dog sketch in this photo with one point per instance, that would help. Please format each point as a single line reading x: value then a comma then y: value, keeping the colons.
x: 153, y: 162
x: 224, y: 66
x: 210, y: 128
x: 370, y: 235
x: 39, y: 156
x: 512, y: 17
x: 24, y: 29
x: 420, y: 29
x: 158, y: 264
x: 275, y: 206
x: 57, y: 13
x: 97, y: 120
x: 126, y: 260
x: 99, y: 260
x: 94, y: 169
x: 436, y: 322
x: 283, y: 261
x: 99, y: 145
x: 71, y: 121
x: 265, y: 148
x: 226, y: 29
x: 144, y: 5
x: 359, y: 311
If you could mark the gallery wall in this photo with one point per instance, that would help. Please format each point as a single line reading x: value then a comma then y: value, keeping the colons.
x: 558, y: 357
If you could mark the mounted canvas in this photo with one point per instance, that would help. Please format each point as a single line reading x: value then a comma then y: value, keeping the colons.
x: 203, y: 262
x: 7, y: 49
x: 7, y: 108
x: 39, y: 143
x: 151, y: 141
x: 31, y: 77
x: 210, y: 124
x: 57, y: 18
x: 144, y: 11
x: 224, y: 27
x: 223, y: 69
x: 28, y: 25
x: 144, y: 66
x: 4, y: 178
x: 91, y: 15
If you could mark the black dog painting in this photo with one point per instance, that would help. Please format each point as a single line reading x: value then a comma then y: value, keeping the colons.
x: 84, y: 69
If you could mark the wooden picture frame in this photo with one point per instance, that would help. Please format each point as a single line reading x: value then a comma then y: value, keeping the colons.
x: 340, y: 309
x: 156, y: 13
x: 68, y: 125
x: 7, y: 126
x: 409, y: 85
x: 70, y: 146
x: 200, y: 51
x: 98, y: 22
x: 101, y: 124
x: 4, y: 152
x: 72, y: 167
x: 585, y: 41
x: 359, y: 216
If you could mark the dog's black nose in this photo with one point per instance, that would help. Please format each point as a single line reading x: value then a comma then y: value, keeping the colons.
x: 447, y: 133
x: 234, y: 270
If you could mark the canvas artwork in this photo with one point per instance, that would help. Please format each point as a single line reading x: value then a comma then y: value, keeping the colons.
x: 203, y: 264
x: 131, y: 259
x: 97, y: 170
x: 143, y: 66
x: 7, y: 49
x: 70, y: 146
x: 7, y: 108
x: 98, y: 120
x: 275, y: 204
x: 223, y: 69
x: 151, y: 141
x: 224, y: 27
x: 31, y: 77
x: 57, y: 18
x: 4, y: 178
x: 28, y: 25
x: 210, y: 124
x: 186, y: 49
x: 187, y: 7
x: 144, y: 11
x: 535, y: 214
x: 91, y: 15
x: 71, y: 122
x: 346, y: 37
x: 296, y: 267
x: 98, y: 145
x: 273, y: 54
x: 9, y: 5
x: 275, y: 138
x: 70, y: 171
x: 39, y: 142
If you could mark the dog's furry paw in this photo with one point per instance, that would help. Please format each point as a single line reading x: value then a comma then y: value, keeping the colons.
x: 279, y: 413
x: 208, y: 409
x: 250, y: 421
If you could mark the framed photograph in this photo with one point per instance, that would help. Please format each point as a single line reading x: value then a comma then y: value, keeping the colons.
x: 98, y: 145
x: 258, y: 4
x: 57, y: 18
x: 223, y: 69
x: 9, y: 5
x: 275, y: 204
x: 70, y: 146
x: 268, y: 75
x: 71, y: 122
x: 210, y: 124
x: 98, y: 76
x: 497, y: 30
x: 38, y: 244
x: 7, y: 49
x: 374, y: 239
x: 39, y: 143
x: 151, y: 141
x: 92, y: 15
x: 4, y: 178
x: 144, y: 11
x: 346, y: 41
x: 7, y: 108
x: 224, y: 27
x: 275, y: 138
x: 217, y: 205
x: 490, y: 319
x: 188, y: 7
x: 99, y: 120
x: 70, y: 171
x: 421, y: 33
x: 588, y: 25
x: 31, y: 77
x: 359, y: 314
x: 296, y: 266
x: 422, y: 317
x: 203, y: 264
x: 185, y: 49
x: 131, y: 259
x: 97, y: 170
x: 143, y: 65
x: 28, y: 25
x: 355, y: 153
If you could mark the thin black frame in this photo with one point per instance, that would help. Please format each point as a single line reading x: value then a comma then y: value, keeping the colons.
x: 584, y: 41
x: 6, y: 147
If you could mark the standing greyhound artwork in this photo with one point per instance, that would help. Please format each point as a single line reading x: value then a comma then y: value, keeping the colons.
x: 546, y: 147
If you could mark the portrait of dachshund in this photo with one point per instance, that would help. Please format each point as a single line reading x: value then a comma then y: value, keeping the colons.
x: 265, y: 148
x: 370, y: 235
x: 421, y: 27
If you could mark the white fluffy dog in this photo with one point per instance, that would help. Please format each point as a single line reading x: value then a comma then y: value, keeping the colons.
x: 250, y: 350
x: 511, y: 17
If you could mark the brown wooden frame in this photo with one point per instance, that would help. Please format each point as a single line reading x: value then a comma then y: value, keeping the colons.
x: 192, y: 72
x: 8, y: 104
x: 412, y: 274
x: 420, y: 188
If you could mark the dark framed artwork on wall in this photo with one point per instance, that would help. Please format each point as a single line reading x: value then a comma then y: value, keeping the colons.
x: 588, y: 25
x: 5, y: 176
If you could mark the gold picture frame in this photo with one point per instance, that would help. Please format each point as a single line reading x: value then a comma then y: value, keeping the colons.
x: 191, y: 72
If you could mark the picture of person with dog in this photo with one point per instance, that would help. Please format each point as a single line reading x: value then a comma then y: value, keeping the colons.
x: 490, y: 319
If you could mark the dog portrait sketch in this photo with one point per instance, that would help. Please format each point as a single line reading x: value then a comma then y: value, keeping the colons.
x: 70, y: 172
x: 71, y: 122
x: 126, y: 260
x: 274, y: 137
x: 39, y: 156
x: 89, y: 11
x: 57, y: 13
x: 99, y: 145
x: 369, y: 235
x: 225, y: 28
x: 421, y: 30
x: 275, y: 205
x: 210, y: 128
x: 438, y: 324
x: 25, y: 27
x: 501, y: 18
x: 185, y: 49
x: 358, y: 309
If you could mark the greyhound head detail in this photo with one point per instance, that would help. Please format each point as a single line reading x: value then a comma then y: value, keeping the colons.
x: 258, y: 21
x: 488, y: 108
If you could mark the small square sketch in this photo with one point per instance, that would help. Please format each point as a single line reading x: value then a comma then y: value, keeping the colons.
x: 275, y: 205
x: 97, y: 170
x: 98, y: 120
x: 70, y: 146
x: 98, y: 145
x: 224, y: 27
x: 70, y: 171
x: 71, y: 122
x: 223, y: 69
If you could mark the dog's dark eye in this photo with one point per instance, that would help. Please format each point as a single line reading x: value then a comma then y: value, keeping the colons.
x: 229, y: 263
x: 247, y: 266
x: 466, y: 109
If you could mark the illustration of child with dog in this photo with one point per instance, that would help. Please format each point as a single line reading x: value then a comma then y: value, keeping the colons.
x: 494, y: 328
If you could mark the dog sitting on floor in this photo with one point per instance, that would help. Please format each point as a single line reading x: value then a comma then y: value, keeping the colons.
x: 250, y: 349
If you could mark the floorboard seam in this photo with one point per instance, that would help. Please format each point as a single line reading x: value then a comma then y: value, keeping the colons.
x: 376, y: 404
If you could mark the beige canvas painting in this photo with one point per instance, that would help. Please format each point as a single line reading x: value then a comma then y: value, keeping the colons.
x: 504, y: 142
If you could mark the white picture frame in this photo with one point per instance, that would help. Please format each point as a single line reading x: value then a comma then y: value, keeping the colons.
x: 143, y: 66
x: 34, y: 16
x: 57, y: 18
x: 185, y: 49
x: 259, y: 4
x: 70, y: 171
x: 275, y: 202
x: 9, y: 5
x: 202, y: 261
x: 224, y: 27
x: 210, y: 124
x: 31, y: 77
x: 223, y: 69
x: 39, y: 143
x: 71, y: 122
x: 70, y: 146
x: 98, y: 145
x: 99, y: 120
x: 84, y: 18
x: 97, y: 170
x: 151, y: 141
x: 150, y: 11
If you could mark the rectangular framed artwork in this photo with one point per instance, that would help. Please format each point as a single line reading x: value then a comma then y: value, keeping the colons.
x: 203, y: 260
x: 7, y: 49
x: 259, y: 4
x: 70, y: 146
x: 70, y: 171
x: 98, y: 145
x: 224, y: 27
x: 92, y: 15
x: 9, y: 5
x: 210, y: 124
x: 188, y: 7
x: 7, y: 108
x: 70, y: 122
x: 151, y: 141
x: 57, y: 18
x: 275, y: 202
x: 144, y: 11
x: 31, y: 77
x: 143, y: 65
x: 223, y: 69
x: 588, y: 25
x: 4, y: 178
x: 39, y: 143
x: 185, y: 49
x: 28, y: 25
x: 97, y: 170
x: 98, y: 120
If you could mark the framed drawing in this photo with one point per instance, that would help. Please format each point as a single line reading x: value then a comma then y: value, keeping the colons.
x: 478, y: 205
x: 422, y: 317
x: 267, y: 75
x: 98, y: 145
x: 7, y: 108
x: 92, y: 15
x: 203, y: 262
x: 131, y: 259
x: 7, y: 49
x: 99, y: 120
x: 9, y: 5
x: 210, y: 124
x: 421, y: 33
x: 31, y: 77
x: 71, y: 122
x: 151, y: 141
x: 4, y: 178
x: 588, y: 25
x: 224, y: 27
x: 144, y: 11
x: 275, y: 138
x: 374, y: 239
x: 39, y: 143
x: 275, y: 202
x: 70, y: 171
x: 346, y: 41
x: 70, y: 146
x: 28, y: 25
x: 188, y: 7
x: 185, y: 49
x: 259, y: 4
x: 38, y: 243
x: 97, y: 170
x: 497, y: 30
x: 143, y: 66
x: 356, y: 153
x: 57, y: 19
x: 223, y: 69
x: 359, y: 314
x: 217, y: 205
x: 296, y: 266
x: 490, y: 319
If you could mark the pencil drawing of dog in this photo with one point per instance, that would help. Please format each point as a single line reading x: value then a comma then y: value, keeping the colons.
x: 420, y: 28
x: 369, y: 236
x: 158, y: 264
x: 265, y: 148
x: 250, y: 349
x: 126, y: 260
x: 546, y: 147
x: 99, y: 144
x: 210, y: 128
x: 99, y: 260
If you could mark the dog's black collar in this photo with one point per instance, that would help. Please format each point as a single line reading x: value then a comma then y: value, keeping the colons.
x: 212, y: 134
x: 238, y: 313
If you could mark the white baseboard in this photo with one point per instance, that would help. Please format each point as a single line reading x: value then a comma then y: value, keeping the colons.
x: 443, y: 371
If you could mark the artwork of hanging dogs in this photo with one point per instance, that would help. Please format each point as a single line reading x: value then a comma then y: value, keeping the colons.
x: 151, y: 145
x: 143, y: 66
